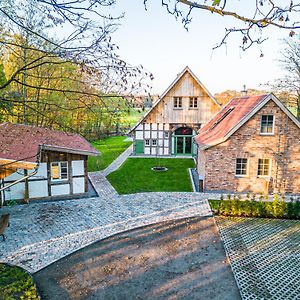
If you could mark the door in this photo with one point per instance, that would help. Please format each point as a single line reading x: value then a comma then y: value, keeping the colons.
x: 180, y: 145
x: 183, y: 145
x: 182, y: 141
x: 188, y: 145
x: 139, y: 147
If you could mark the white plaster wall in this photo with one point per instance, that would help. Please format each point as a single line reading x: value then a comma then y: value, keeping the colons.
x: 166, y: 150
x: 15, y: 176
x: 166, y: 143
x: 77, y: 167
x: 139, y: 135
x: 78, y: 185
x: 147, y: 126
x: 140, y: 127
x: 154, y: 134
x: 154, y: 126
x: 161, y: 126
x: 154, y: 151
x: 42, y: 171
x: 147, y: 134
x: 38, y: 189
x: 15, y: 192
x: 147, y: 150
x: 61, y: 189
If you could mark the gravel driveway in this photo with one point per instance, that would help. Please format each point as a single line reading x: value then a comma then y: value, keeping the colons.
x: 182, y: 259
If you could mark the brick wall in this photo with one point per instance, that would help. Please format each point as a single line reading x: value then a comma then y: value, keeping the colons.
x: 247, y: 142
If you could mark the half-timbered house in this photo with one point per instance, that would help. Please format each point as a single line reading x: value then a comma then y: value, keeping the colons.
x: 169, y: 126
x: 39, y: 163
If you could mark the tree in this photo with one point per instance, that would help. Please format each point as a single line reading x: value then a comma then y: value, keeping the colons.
x: 251, y: 23
x: 288, y: 87
x: 47, y: 69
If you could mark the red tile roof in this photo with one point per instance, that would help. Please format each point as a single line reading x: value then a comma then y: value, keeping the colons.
x: 226, y: 119
x: 21, y: 142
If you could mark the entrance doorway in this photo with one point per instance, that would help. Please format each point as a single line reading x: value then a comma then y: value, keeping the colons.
x: 182, y: 138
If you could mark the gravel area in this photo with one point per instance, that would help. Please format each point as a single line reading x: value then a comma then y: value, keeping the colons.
x: 182, y: 259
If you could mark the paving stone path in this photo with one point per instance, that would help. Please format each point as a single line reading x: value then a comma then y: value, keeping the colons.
x: 41, y: 233
x: 264, y: 256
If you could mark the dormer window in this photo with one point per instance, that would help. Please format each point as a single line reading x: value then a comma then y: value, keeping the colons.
x: 267, y: 125
x: 193, y: 102
x: 177, y: 102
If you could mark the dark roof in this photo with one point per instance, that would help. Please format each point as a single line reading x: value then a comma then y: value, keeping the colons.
x: 226, y: 119
x: 22, y: 142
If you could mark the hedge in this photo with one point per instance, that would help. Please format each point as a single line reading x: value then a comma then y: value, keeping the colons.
x: 258, y: 209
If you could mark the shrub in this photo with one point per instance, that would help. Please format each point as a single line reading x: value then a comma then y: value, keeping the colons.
x: 249, y: 208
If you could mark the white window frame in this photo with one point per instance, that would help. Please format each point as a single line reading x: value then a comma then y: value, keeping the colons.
x: 154, y: 142
x: 273, y: 125
x: 193, y: 101
x: 147, y: 142
x: 59, y: 170
x: 247, y: 167
x: 269, y: 170
x: 176, y: 101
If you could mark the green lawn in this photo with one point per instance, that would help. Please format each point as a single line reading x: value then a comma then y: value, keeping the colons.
x: 15, y: 283
x: 110, y: 149
x: 136, y: 176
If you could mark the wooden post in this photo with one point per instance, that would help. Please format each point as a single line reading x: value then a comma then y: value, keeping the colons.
x: 70, y: 172
x: 26, y: 192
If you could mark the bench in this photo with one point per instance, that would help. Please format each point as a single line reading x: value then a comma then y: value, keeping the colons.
x: 4, y: 223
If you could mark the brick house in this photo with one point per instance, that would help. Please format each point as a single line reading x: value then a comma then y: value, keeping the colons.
x: 252, y: 144
x: 39, y: 163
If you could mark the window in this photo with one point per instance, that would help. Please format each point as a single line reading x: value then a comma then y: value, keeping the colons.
x: 147, y: 142
x: 193, y: 102
x: 241, y: 166
x: 177, y: 102
x: 59, y: 170
x: 154, y: 142
x: 267, y: 124
x: 166, y: 134
x: 263, y: 167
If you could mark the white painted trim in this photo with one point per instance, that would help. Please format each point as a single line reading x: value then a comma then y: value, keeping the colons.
x: 273, y: 126
x: 247, y: 168
x: 59, y: 171
x: 270, y: 168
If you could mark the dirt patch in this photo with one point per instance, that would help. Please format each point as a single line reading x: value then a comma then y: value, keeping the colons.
x: 181, y: 259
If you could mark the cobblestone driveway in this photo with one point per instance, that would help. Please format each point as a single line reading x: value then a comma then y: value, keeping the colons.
x: 41, y: 233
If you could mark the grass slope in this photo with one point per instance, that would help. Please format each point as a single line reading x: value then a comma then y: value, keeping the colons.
x: 110, y: 149
x: 136, y: 176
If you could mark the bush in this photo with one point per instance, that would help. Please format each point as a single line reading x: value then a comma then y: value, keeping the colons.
x: 15, y: 283
x: 259, y: 209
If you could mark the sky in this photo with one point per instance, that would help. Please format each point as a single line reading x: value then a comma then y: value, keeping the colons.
x: 156, y: 40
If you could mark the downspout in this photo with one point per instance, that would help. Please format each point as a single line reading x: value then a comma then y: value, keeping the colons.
x: 23, y: 178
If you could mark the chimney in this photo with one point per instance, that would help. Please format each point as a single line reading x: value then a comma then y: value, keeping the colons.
x: 244, y: 92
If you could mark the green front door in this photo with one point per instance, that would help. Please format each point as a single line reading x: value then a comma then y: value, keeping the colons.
x: 183, y: 145
x: 139, y: 147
